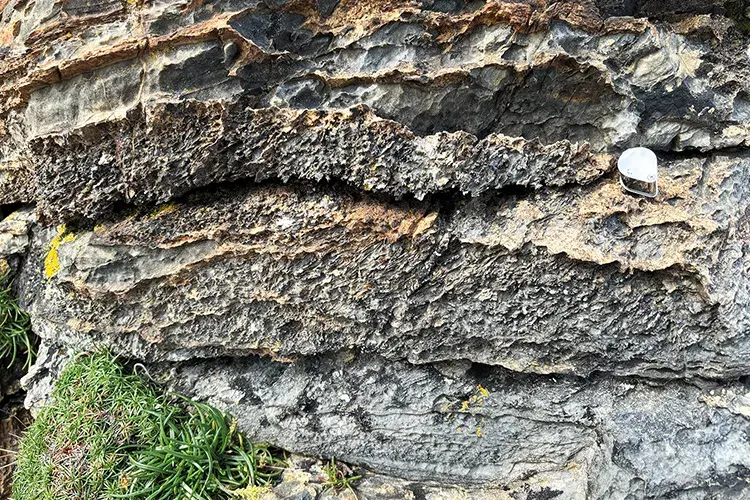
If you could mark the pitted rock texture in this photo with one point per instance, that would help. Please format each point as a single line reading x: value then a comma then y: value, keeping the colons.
x: 339, y: 219
x: 88, y: 128
x: 144, y: 165
x: 569, y: 281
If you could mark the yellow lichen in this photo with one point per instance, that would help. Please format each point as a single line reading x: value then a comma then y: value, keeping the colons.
x: 164, y: 209
x: 251, y: 492
x: 52, y: 260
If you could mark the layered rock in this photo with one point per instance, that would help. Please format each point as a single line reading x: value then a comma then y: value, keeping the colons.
x: 570, y: 281
x: 472, y: 424
x: 391, y: 231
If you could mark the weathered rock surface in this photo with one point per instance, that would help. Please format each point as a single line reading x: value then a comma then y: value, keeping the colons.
x: 517, y: 436
x: 570, y: 281
x: 337, y: 219
x: 152, y: 100
x: 597, y: 438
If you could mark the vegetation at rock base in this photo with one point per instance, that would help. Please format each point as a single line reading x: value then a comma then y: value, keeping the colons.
x: 15, y: 326
x: 339, y: 477
x: 107, y: 434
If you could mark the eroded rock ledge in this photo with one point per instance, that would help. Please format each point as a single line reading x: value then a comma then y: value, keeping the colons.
x: 498, y: 434
x: 87, y: 114
x: 570, y: 281
x: 187, y: 146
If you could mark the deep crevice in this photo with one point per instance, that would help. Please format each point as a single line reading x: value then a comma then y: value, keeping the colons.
x: 447, y: 201
x: 9, y: 208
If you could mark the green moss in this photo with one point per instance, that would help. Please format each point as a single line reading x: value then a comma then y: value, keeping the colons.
x: 109, y: 435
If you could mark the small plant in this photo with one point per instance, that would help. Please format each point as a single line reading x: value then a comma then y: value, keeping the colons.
x: 339, y: 477
x: 108, y: 434
x: 15, y: 326
x: 199, y: 455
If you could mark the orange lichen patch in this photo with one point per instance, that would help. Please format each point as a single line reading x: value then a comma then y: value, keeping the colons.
x: 581, y: 14
x: 516, y: 15
x: 355, y: 18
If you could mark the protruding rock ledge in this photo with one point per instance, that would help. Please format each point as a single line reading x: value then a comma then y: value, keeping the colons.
x: 552, y: 71
x: 189, y: 145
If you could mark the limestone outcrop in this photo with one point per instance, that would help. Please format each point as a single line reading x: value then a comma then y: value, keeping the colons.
x: 392, y: 231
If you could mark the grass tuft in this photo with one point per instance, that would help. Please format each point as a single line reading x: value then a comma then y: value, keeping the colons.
x: 107, y: 434
x: 15, y: 326
x: 339, y: 477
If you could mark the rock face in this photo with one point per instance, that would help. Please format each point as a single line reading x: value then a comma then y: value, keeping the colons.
x: 392, y: 231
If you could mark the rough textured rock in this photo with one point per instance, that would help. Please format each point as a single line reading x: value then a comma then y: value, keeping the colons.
x: 91, y: 175
x: 570, y: 281
x: 341, y: 219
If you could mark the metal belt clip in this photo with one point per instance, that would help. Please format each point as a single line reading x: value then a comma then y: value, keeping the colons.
x: 639, y: 173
